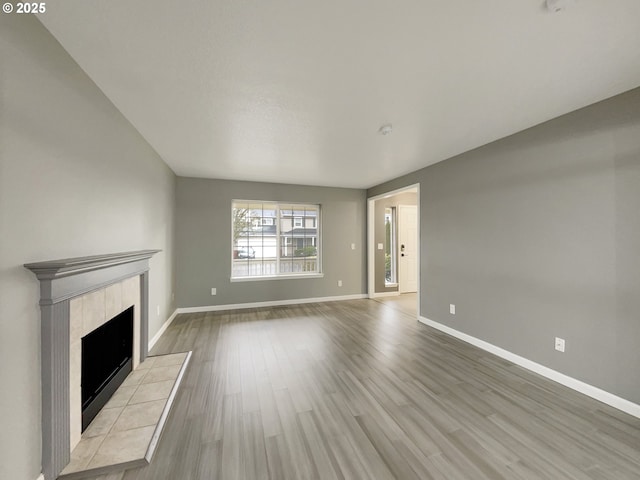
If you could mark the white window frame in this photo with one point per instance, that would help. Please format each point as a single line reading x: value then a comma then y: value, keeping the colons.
x: 277, y: 207
x: 392, y: 247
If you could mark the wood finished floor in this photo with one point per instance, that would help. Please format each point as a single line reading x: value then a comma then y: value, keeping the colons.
x: 406, y: 302
x: 358, y: 389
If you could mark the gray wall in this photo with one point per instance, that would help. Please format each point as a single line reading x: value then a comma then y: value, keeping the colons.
x: 538, y: 235
x: 408, y: 198
x: 203, y: 242
x: 75, y: 179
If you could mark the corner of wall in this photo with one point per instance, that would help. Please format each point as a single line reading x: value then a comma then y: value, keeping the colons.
x: 163, y: 328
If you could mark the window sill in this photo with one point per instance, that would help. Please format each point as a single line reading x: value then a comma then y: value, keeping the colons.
x: 390, y: 284
x: 276, y: 277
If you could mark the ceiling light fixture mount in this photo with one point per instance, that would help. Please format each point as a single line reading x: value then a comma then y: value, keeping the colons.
x: 557, y: 5
x: 386, y: 129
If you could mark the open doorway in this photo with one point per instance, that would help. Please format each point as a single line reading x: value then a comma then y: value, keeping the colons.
x: 394, y: 248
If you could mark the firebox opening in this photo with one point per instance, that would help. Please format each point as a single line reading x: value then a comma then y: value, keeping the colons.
x: 106, y: 361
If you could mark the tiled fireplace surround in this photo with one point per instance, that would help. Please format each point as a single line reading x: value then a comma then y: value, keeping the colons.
x: 86, y: 313
x: 77, y: 296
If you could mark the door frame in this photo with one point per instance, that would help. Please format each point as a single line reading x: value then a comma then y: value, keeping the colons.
x: 371, y: 214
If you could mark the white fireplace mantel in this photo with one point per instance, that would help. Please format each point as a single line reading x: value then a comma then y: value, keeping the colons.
x: 62, y: 281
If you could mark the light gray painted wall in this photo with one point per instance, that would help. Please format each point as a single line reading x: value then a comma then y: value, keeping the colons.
x: 408, y: 198
x: 75, y: 179
x: 203, y: 242
x: 538, y: 235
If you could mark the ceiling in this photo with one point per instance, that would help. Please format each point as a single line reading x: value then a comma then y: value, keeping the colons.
x: 295, y: 91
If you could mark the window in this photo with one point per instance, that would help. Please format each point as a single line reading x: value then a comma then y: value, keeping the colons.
x: 274, y: 240
x: 390, y: 260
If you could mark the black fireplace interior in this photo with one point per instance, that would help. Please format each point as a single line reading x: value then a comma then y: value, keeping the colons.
x: 106, y: 361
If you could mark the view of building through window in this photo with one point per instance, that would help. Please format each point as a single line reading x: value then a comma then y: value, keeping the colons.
x: 271, y: 239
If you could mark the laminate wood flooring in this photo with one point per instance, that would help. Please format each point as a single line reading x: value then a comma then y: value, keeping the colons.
x: 360, y: 390
x: 407, y: 302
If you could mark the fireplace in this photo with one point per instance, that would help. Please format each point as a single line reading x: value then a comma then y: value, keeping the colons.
x: 107, y: 359
x: 77, y: 297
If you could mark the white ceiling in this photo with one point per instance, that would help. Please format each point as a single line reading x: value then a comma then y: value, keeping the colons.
x: 295, y: 91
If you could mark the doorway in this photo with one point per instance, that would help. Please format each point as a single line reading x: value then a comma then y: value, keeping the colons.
x: 393, y: 245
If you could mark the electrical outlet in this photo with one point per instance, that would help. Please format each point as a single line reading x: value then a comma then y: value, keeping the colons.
x: 452, y: 309
x: 214, y: 291
x: 560, y: 344
x: 353, y: 246
x: 381, y: 246
x: 339, y: 283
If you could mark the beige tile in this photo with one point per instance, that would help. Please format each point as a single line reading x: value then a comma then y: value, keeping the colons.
x: 159, y: 374
x: 136, y: 334
x: 130, y: 291
x: 93, y: 311
x: 121, y: 397
x: 152, y: 391
x: 75, y: 393
x: 135, y: 377
x: 123, y: 446
x: 173, y: 359
x: 75, y: 362
x: 140, y: 415
x: 83, y: 453
x: 113, y: 300
x: 75, y: 422
x: 75, y: 319
x: 148, y: 363
x: 75, y: 359
x: 103, y: 422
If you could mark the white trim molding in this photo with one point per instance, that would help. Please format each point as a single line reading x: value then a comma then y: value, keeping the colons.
x: 577, y: 385
x: 166, y: 324
x: 395, y: 293
x: 277, y: 277
x: 271, y: 303
x: 40, y: 477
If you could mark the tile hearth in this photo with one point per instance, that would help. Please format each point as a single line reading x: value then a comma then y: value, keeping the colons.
x: 124, y: 434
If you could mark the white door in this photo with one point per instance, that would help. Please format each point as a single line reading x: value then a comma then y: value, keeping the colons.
x: 407, y: 248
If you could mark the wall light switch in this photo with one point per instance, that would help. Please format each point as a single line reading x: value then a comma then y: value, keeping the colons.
x: 158, y: 310
x: 380, y: 246
x: 452, y: 309
x: 353, y: 246
x: 339, y: 283
x: 214, y: 291
x: 560, y: 344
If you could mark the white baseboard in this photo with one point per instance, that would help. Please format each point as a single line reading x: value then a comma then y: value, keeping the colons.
x: 577, y: 385
x: 166, y: 324
x: 385, y: 294
x: 271, y: 303
x: 40, y: 477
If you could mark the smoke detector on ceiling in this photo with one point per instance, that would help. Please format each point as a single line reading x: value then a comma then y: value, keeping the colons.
x: 557, y: 5
x: 386, y: 129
